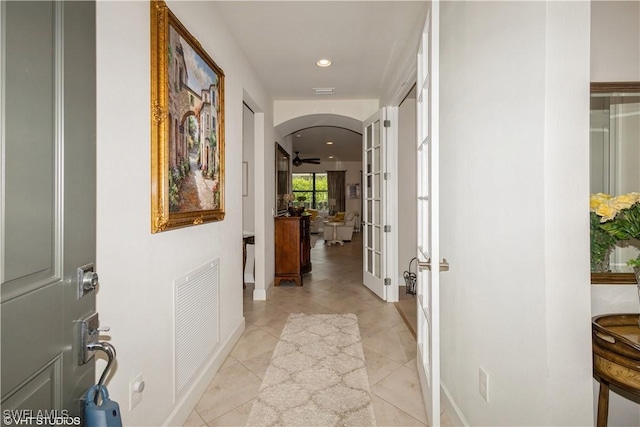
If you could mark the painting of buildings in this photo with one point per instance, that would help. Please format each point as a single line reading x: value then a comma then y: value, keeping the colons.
x: 195, y: 148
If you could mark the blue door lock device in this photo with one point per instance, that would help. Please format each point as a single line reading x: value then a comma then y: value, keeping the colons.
x: 107, y: 414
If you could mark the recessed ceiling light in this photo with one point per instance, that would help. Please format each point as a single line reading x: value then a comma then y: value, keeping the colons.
x: 298, y: 136
x: 331, y: 157
x: 329, y: 142
x: 323, y: 62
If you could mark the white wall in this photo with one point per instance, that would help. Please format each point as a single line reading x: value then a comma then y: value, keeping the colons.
x: 360, y: 109
x: 137, y: 268
x: 568, y: 310
x: 514, y: 109
x: 615, y: 41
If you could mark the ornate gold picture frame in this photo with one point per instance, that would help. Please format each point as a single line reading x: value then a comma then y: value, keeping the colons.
x: 187, y: 127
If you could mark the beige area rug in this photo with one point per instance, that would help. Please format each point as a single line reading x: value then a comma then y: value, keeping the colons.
x: 317, y: 376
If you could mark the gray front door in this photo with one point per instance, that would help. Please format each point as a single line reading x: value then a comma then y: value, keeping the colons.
x: 47, y: 203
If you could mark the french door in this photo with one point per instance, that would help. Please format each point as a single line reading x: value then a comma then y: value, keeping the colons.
x: 427, y: 154
x: 374, y: 145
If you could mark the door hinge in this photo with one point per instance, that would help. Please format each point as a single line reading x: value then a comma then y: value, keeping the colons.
x: 386, y: 123
x: 387, y: 229
x: 387, y: 176
x: 387, y: 281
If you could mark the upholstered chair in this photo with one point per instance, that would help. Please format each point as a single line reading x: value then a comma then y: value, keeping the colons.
x: 316, y: 222
x: 317, y: 225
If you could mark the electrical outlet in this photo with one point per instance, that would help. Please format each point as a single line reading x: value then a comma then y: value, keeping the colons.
x: 484, y: 384
x: 136, y: 387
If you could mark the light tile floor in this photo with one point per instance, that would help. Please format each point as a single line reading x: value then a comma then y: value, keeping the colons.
x: 333, y: 286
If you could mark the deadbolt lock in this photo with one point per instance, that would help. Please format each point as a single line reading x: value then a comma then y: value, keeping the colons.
x: 87, y: 280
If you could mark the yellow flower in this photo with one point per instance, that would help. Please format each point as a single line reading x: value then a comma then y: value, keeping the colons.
x: 625, y: 201
x: 620, y: 204
x: 606, y: 211
x: 607, y: 207
x: 633, y: 197
x: 604, y: 196
x: 597, y: 199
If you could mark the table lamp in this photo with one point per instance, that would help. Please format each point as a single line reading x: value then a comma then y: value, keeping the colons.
x: 332, y: 205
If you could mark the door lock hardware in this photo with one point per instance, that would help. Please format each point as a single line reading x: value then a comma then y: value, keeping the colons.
x: 110, y: 351
x: 88, y: 333
x: 426, y: 265
x: 87, y: 280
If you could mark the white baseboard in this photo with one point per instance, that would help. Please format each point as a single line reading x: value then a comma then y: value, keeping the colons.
x: 270, y: 288
x: 192, y: 395
x: 448, y: 404
x: 259, y: 294
x: 262, y: 294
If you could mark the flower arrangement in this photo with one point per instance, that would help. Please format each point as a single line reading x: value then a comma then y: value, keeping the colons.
x: 612, y: 219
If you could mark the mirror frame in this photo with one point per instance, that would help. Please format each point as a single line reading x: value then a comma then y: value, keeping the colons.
x: 614, y: 278
x: 281, y: 153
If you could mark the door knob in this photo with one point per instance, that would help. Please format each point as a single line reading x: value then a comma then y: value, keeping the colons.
x: 426, y: 265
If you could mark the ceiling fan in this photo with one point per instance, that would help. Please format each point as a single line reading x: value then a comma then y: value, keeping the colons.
x: 297, y: 161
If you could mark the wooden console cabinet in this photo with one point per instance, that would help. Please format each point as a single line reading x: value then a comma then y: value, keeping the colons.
x: 293, y: 249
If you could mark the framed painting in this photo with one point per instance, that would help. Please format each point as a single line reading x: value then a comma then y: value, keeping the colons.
x: 187, y: 127
x: 353, y: 191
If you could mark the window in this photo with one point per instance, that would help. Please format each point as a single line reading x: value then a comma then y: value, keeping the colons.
x: 313, y: 187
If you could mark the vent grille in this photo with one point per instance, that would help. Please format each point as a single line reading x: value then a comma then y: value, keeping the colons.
x: 323, y: 90
x: 196, y: 321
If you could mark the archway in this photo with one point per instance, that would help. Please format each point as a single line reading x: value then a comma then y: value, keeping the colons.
x: 314, y: 120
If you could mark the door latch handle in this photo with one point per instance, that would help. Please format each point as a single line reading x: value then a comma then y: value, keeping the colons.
x: 88, y: 334
x: 426, y: 265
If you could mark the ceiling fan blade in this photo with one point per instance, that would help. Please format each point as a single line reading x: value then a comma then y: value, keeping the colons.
x: 312, y: 161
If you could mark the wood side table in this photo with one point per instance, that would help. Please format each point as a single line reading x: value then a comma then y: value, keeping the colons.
x: 616, y: 357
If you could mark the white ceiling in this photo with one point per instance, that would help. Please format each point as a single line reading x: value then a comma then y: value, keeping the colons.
x: 312, y: 142
x: 283, y: 40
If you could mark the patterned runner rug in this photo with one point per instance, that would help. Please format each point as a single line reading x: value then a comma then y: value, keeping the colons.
x: 317, y: 376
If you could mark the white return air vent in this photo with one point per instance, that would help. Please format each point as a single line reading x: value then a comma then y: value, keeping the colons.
x: 197, y: 321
